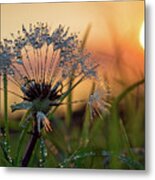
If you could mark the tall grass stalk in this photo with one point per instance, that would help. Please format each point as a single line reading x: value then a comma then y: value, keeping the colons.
x: 5, y: 143
x: 5, y: 83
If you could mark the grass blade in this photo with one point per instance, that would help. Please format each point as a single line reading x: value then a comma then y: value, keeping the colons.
x: 22, y: 137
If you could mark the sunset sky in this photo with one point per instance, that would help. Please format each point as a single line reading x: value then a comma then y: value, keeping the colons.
x: 113, y: 37
x: 112, y: 23
x: 126, y: 17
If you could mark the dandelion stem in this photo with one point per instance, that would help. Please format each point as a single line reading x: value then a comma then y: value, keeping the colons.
x: 6, y: 106
x: 31, y: 146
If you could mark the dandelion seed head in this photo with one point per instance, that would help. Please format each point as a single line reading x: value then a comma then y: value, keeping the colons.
x: 41, y: 63
x: 99, y: 101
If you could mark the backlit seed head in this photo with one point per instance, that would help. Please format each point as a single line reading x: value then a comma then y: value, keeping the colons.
x: 41, y: 63
x: 100, y: 101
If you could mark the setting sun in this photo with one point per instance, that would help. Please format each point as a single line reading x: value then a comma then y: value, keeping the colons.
x: 141, y: 37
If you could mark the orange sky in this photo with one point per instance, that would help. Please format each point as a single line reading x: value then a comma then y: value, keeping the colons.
x: 126, y: 17
x: 112, y: 23
x: 114, y: 34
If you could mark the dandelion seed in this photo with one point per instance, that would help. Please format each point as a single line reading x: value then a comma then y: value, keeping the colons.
x: 42, y: 64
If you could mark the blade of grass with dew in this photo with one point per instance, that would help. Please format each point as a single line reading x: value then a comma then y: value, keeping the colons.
x: 43, y: 153
x: 5, y: 163
x: 86, y: 153
x: 6, y: 151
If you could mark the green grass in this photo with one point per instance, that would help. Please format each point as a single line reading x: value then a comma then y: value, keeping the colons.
x: 111, y: 141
